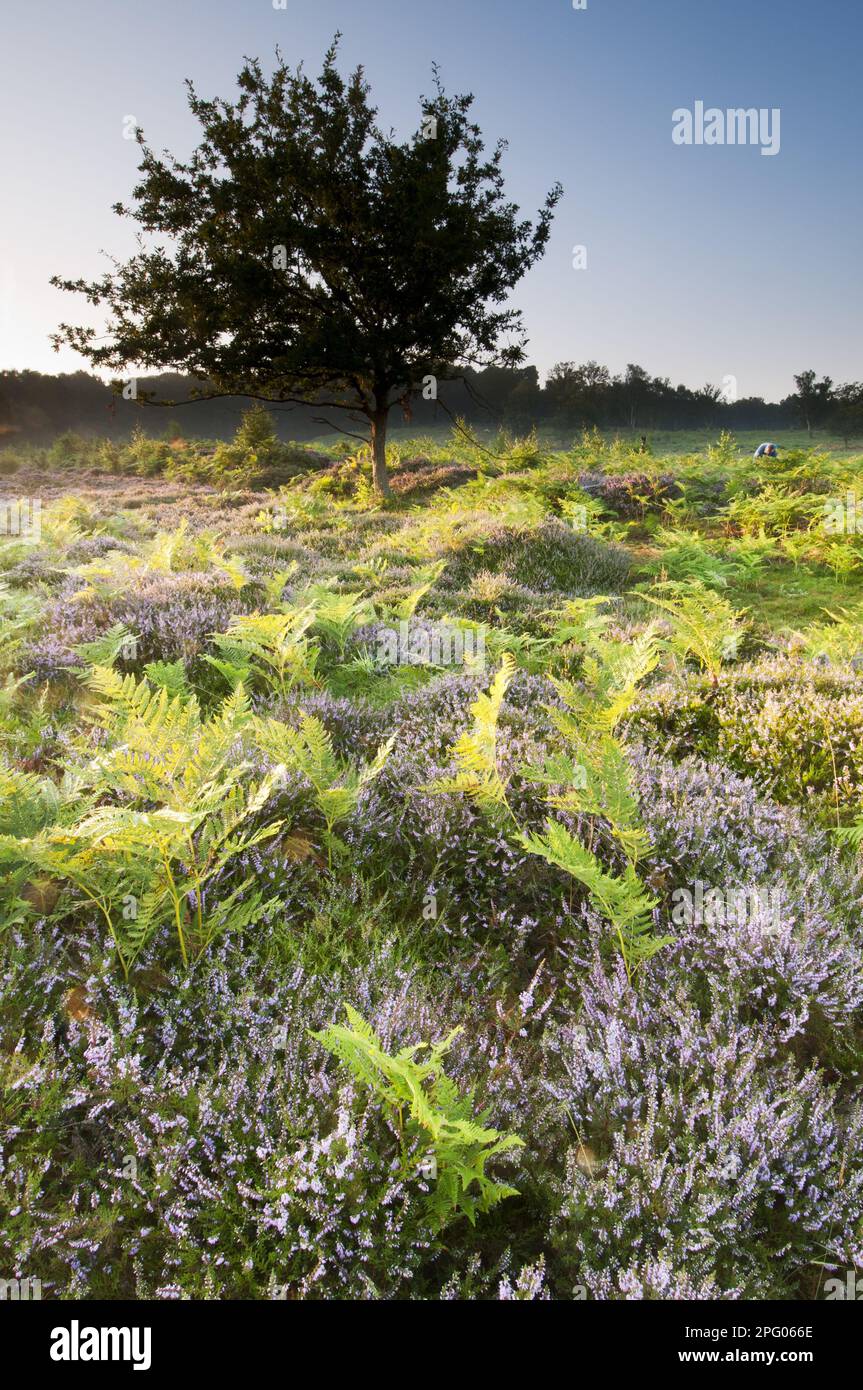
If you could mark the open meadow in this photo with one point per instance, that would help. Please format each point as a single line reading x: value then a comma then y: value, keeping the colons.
x: 449, y: 896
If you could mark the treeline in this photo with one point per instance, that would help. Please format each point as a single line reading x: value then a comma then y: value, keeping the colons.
x: 36, y: 406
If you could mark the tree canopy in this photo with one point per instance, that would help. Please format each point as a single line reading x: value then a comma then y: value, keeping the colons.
x: 302, y: 254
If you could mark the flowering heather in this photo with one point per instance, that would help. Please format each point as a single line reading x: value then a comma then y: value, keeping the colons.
x: 772, y: 721
x: 171, y: 615
x: 631, y: 495
x: 276, y: 1180
x: 730, y: 834
x: 548, y: 557
x: 364, y: 832
x: 690, y: 1134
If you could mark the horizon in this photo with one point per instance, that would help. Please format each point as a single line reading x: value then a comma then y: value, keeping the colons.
x: 142, y: 377
x: 761, y: 285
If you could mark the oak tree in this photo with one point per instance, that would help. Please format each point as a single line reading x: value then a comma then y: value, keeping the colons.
x: 303, y: 255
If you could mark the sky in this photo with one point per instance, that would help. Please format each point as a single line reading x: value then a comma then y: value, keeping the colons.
x: 702, y: 262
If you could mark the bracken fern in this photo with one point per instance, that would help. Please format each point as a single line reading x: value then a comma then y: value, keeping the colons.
x: 429, y: 1116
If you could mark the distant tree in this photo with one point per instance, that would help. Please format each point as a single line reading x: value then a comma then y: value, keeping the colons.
x: 491, y: 392
x: 7, y: 425
x: 315, y: 259
x: 636, y: 392
x: 846, y: 415
x: 578, y: 395
x: 814, y: 398
x: 524, y: 406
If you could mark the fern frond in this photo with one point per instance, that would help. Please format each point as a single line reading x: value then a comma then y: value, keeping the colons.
x: 105, y: 649
x: 622, y: 899
x: 705, y: 625
x: 475, y: 751
x: 438, y: 1118
x: 406, y: 608
x: 27, y: 802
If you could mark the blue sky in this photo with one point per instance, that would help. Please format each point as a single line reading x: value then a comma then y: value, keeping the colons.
x: 702, y: 262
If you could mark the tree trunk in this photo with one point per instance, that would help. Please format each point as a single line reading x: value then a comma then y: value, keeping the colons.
x: 379, y: 452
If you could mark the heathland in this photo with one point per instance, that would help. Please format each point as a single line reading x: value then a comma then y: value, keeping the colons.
x: 450, y: 897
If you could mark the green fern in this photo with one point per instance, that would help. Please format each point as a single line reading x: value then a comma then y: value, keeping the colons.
x: 144, y: 869
x: 428, y: 1117
x: 598, y: 783
x: 167, y: 553
x: 475, y: 752
x: 169, y: 675
x: 170, y: 811
x: 274, y: 584
x: 233, y: 673
x: 704, y: 624
x: 406, y: 607
x: 851, y: 835
x: 373, y: 572
x: 274, y: 646
x: 581, y: 621
x: 613, y: 672
x: 159, y: 745
x: 594, y: 779
x: 337, y: 615
x: 27, y: 802
x: 335, y: 782
x: 622, y: 899
x: 104, y: 650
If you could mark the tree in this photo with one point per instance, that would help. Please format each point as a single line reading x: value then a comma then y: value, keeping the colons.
x: 577, y: 394
x: 814, y: 398
x: 846, y: 416
x: 524, y: 406
x: 314, y: 258
x: 636, y: 390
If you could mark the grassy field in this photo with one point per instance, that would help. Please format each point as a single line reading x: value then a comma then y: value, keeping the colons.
x: 661, y: 443
x: 455, y: 897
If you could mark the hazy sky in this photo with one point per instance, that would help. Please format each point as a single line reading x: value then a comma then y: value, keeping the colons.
x: 702, y: 261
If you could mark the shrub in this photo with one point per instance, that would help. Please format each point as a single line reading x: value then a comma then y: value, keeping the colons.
x: 691, y: 1129
x: 543, y: 558
x: 171, y: 616
x: 798, y: 955
x: 697, y: 1150
x: 148, y: 457
x: 238, y: 1161
x: 801, y: 738
x: 631, y: 495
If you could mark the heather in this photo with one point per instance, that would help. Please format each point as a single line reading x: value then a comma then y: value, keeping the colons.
x: 451, y: 898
